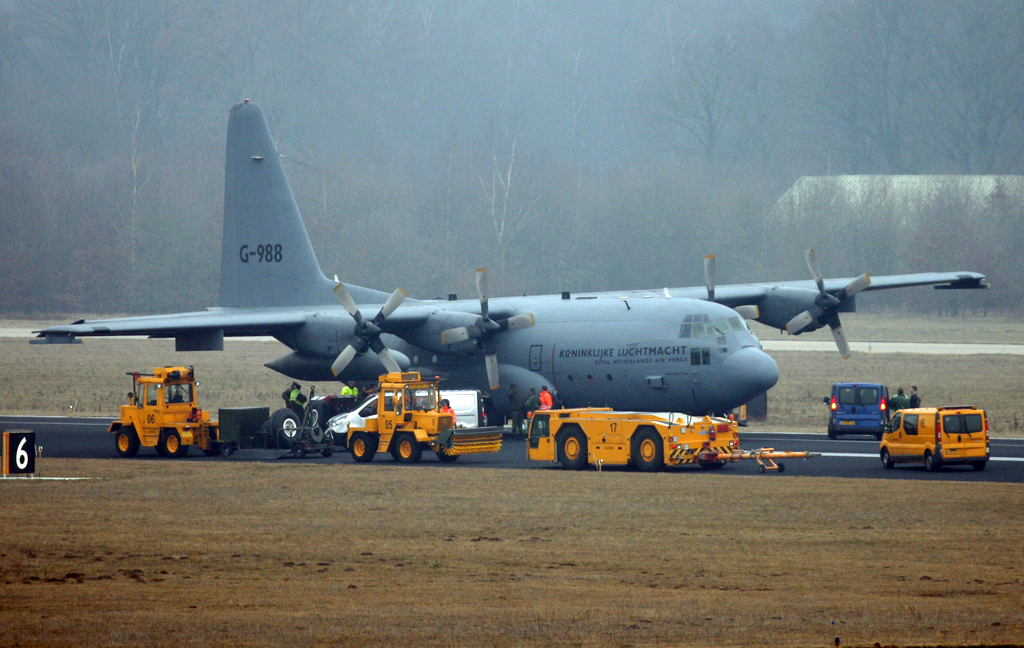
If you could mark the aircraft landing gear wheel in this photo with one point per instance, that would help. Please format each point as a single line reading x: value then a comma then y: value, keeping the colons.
x: 363, y: 447
x: 648, y: 450
x: 406, y: 449
x: 573, y: 450
x: 887, y: 462
x: 285, y: 425
x: 127, y: 442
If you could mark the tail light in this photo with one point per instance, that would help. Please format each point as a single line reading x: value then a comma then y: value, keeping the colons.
x: 834, y: 404
x: 883, y: 404
x: 938, y: 429
x: 986, y: 431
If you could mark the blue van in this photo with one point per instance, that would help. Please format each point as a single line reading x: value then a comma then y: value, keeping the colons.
x: 857, y: 408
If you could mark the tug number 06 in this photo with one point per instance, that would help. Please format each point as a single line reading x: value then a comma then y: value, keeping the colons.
x: 268, y: 253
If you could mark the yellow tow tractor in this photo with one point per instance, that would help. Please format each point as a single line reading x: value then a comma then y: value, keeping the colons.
x: 409, y: 420
x: 648, y: 441
x: 163, y: 412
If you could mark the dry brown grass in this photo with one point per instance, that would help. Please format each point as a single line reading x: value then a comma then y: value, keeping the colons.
x: 162, y: 553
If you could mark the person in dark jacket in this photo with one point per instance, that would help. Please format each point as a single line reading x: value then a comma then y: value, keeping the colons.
x: 515, y: 408
x: 915, y: 400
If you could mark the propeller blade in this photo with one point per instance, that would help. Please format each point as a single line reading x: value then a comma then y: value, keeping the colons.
x: 346, y: 300
x: 709, y: 275
x: 840, y: 337
x: 855, y: 286
x: 452, y: 336
x: 524, y: 320
x: 388, y: 360
x: 491, y: 361
x: 812, y: 265
x: 343, y: 359
x: 799, y: 323
x: 393, y: 302
x: 481, y: 290
x: 748, y: 311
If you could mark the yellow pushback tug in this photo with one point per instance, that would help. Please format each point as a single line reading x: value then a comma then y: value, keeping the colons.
x: 409, y: 421
x: 645, y: 440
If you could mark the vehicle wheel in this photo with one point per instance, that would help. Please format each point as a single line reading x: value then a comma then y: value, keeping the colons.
x: 446, y: 458
x: 978, y: 465
x: 299, y: 450
x: 127, y: 442
x: 879, y: 435
x: 327, y: 452
x: 712, y: 465
x: 227, y: 450
x: 929, y: 462
x: 832, y: 431
x: 782, y: 467
x: 760, y: 468
x: 170, y: 442
x: 648, y: 450
x: 285, y: 425
x: 406, y: 449
x: 363, y: 447
x: 572, y: 449
x: 887, y: 462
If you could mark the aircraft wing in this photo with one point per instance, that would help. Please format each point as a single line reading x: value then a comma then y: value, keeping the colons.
x: 211, y: 323
x: 800, y: 306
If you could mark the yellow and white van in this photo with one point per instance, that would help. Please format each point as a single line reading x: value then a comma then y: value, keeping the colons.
x: 936, y: 437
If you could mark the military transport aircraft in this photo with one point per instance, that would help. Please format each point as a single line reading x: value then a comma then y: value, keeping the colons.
x: 670, y: 349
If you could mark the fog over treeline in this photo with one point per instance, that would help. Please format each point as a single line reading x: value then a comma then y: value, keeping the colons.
x: 564, y: 145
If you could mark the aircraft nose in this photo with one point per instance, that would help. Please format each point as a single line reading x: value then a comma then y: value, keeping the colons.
x: 751, y: 372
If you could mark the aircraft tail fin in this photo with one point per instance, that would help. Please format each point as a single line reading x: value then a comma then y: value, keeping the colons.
x: 267, y: 258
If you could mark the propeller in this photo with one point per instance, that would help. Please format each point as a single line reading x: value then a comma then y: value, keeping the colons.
x: 709, y: 275
x: 367, y: 333
x: 826, y: 307
x: 485, y: 329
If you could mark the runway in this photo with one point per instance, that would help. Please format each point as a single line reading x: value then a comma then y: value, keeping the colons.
x: 848, y: 457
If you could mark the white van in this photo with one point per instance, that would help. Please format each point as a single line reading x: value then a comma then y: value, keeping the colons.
x: 467, y: 404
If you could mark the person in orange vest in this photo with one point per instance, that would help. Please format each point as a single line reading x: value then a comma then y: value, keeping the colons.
x: 546, y: 400
x: 446, y: 408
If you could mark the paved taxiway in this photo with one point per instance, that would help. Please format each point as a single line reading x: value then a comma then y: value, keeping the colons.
x: 851, y: 457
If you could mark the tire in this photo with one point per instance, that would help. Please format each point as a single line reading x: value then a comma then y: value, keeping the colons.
x: 227, y: 450
x: 887, y: 461
x: 406, y: 449
x: 126, y: 441
x: 170, y: 443
x: 446, y: 458
x: 319, y: 413
x: 832, y: 431
x: 572, y: 449
x: 285, y: 426
x: 781, y: 466
x: 299, y: 450
x: 363, y: 447
x: 929, y: 462
x: 978, y: 465
x: 327, y: 452
x: 648, y: 450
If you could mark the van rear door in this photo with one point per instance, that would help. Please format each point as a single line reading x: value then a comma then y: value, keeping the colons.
x: 858, y: 407
x: 963, y: 435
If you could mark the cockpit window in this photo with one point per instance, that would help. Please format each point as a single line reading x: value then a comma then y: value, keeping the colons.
x: 710, y: 328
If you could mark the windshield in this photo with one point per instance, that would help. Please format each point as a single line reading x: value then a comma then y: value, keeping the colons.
x: 420, y: 398
x: 710, y: 328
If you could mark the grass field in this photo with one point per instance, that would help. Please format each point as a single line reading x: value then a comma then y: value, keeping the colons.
x: 42, y: 379
x: 162, y: 553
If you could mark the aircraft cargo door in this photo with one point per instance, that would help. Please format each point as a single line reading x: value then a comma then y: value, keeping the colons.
x: 536, y: 357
